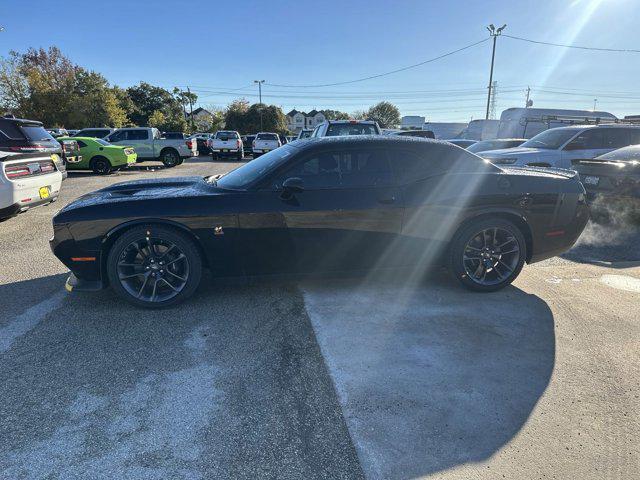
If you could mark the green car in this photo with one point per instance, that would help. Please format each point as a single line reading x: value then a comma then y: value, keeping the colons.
x: 101, y: 156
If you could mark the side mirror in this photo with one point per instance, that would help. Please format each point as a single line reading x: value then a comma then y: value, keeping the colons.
x: 293, y: 185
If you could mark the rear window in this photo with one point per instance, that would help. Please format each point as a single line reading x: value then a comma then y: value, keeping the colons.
x: 36, y: 133
x: 227, y: 135
x: 338, y: 129
x: 267, y: 136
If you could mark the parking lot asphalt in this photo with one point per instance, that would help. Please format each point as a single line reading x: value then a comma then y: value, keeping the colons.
x: 339, y: 379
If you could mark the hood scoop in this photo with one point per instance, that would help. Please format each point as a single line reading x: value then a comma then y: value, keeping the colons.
x: 152, y: 187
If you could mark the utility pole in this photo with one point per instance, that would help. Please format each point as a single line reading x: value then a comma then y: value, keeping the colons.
x: 190, y: 106
x: 526, y: 103
x: 494, y: 90
x: 595, y: 101
x: 495, y: 33
x: 260, y: 82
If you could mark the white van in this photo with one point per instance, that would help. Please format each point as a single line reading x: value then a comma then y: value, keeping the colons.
x: 528, y: 122
x: 557, y: 147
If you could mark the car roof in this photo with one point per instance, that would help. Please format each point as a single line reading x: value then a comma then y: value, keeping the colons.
x: 605, y: 125
x: 351, y: 121
x: 26, y: 121
x: 349, y: 140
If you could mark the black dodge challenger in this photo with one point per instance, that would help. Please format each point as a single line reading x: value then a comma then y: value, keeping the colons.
x: 322, y: 206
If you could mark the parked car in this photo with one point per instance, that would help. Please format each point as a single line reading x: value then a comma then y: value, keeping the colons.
x: 101, y: 156
x: 70, y: 151
x: 226, y: 143
x: 202, y: 140
x: 247, y: 144
x: 95, y: 132
x: 283, y: 139
x: 332, y: 128
x: 497, y: 144
x: 27, y: 136
x: 557, y: 147
x: 305, y: 133
x: 72, y: 132
x: 413, y: 133
x: 264, y: 143
x: 175, y: 135
x: 149, y: 145
x: 318, y: 207
x: 612, y: 180
x: 461, y: 142
x: 27, y: 180
x: 57, y: 132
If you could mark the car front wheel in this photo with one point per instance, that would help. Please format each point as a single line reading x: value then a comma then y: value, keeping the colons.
x: 487, y: 254
x: 154, y: 266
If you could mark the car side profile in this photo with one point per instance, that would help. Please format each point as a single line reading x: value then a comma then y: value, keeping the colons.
x: 321, y: 206
x: 558, y: 147
x: 100, y: 156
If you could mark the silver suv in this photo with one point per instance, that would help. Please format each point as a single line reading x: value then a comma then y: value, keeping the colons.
x: 334, y: 128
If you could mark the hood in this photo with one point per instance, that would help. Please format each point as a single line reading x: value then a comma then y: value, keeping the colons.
x: 159, y: 188
x: 516, y: 152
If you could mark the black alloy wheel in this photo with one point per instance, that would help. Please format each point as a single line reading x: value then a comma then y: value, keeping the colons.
x: 154, y: 266
x: 488, y: 254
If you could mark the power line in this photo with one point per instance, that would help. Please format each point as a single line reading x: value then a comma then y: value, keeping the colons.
x: 620, y: 50
x: 382, y: 74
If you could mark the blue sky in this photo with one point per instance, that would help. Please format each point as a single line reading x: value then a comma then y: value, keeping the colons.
x: 216, y: 47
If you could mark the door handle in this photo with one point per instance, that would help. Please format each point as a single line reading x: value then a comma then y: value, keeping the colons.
x: 387, y: 199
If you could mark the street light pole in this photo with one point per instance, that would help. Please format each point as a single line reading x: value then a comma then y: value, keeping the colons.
x: 494, y: 33
x: 260, y: 82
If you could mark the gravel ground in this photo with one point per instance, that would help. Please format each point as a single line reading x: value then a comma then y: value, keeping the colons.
x: 341, y: 379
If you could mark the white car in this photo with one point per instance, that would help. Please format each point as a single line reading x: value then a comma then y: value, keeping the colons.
x: 333, y: 128
x: 27, y: 180
x: 226, y: 143
x: 557, y: 147
x: 265, y: 142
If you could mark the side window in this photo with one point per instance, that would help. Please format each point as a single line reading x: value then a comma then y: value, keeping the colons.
x: 118, y: 136
x: 410, y: 166
x: 615, y: 137
x: 345, y: 169
x: 634, y: 136
x: 137, y: 135
x: 588, y: 140
x: 81, y: 144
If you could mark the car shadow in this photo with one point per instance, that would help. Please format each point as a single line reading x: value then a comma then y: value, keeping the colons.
x: 431, y: 376
x: 612, y: 244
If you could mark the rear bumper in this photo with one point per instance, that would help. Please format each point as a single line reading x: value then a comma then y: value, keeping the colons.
x: 19, y: 207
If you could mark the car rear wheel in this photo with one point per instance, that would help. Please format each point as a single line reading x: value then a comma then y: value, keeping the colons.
x: 487, y: 254
x: 240, y: 156
x: 154, y: 266
x: 170, y: 158
x: 101, y: 166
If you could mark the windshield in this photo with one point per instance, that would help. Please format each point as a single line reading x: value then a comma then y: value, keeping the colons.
x: 336, y: 129
x: 305, y: 133
x: 625, y: 154
x: 242, y: 177
x: 551, y: 139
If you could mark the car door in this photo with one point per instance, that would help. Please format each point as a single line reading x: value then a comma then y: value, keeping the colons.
x: 347, y: 217
x: 136, y: 138
x: 588, y: 144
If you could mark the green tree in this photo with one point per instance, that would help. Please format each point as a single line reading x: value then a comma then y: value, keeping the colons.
x: 273, y: 119
x: 335, y: 115
x: 359, y: 115
x: 14, y: 88
x: 234, y: 115
x: 386, y: 114
x: 157, y: 119
x: 148, y: 98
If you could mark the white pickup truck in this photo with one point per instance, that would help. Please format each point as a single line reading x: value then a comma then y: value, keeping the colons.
x: 150, y: 145
x: 226, y: 143
x: 265, y: 142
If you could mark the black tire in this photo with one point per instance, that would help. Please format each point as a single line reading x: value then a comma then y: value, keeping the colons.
x: 183, y: 255
x: 469, y: 259
x: 181, y: 161
x: 214, y: 157
x: 170, y: 158
x: 101, y: 165
x: 240, y: 156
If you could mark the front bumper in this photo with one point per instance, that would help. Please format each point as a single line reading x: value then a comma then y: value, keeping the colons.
x: 73, y: 283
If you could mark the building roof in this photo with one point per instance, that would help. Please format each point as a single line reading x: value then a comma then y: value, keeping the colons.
x: 201, y: 110
x: 293, y: 112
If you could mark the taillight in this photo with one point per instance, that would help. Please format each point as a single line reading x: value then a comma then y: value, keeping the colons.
x: 16, y: 171
x: 209, y: 142
x: 238, y: 143
x: 189, y: 144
